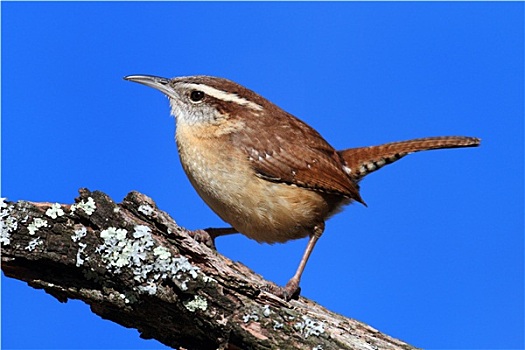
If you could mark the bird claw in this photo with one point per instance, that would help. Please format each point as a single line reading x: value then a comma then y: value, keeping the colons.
x: 203, y: 236
x: 288, y: 292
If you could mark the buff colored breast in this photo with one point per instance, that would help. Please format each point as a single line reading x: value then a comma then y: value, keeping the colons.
x: 264, y: 211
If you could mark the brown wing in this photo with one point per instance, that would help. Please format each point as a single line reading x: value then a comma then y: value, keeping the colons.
x: 282, y: 148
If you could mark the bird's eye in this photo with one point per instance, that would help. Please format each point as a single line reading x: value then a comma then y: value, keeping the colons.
x: 196, y: 95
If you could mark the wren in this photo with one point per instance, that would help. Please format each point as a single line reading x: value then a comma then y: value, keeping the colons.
x: 268, y: 174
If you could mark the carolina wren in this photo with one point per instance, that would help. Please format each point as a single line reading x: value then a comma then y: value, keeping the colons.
x: 262, y: 170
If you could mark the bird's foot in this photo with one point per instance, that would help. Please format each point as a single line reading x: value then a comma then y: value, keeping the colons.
x: 203, y: 236
x: 288, y: 292
x: 208, y: 235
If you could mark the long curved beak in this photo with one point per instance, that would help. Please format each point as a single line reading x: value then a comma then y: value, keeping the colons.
x: 159, y: 83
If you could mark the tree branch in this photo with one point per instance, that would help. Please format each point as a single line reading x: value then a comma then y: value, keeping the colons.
x: 135, y: 266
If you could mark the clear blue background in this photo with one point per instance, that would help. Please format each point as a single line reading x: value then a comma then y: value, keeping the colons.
x: 437, y: 257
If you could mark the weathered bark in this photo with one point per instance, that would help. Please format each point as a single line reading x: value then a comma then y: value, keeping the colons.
x: 133, y: 265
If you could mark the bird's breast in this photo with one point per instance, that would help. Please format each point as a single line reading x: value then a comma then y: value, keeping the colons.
x: 260, y: 209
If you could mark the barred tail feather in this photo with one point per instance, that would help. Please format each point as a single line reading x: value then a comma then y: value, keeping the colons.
x: 362, y: 161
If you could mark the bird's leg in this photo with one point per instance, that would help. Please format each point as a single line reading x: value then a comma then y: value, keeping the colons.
x: 216, y: 232
x: 208, y: 235
x: 292, y: 289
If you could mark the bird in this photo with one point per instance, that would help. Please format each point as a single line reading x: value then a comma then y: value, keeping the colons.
x: 267, y: 173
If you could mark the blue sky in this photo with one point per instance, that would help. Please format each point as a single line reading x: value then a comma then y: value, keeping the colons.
x: 437, y: 257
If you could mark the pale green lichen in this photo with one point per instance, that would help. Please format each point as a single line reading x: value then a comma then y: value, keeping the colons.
x: 162, y: 252
x: 149, y: 265
x: 55, y: 211
x: 208, y: 279
x: 150, y: 287
x: 266, y: 310
x: 146, y: 209
x: 76, y: 237
x: 88, y: 207
x: 34, y: 243
x: 80, y: 259
x: 128, y: 298
x: 78, y: 234
x: 250, y: 317
x: 8, y: 223
x: 277, y: 325
x: 36, y: 224
x: 198, y: 303
x: 309, y: 327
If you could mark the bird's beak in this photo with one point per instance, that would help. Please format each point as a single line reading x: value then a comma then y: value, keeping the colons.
x: 159, y: 83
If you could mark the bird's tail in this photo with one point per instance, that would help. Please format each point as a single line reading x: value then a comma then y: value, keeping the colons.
x: 362, y: 161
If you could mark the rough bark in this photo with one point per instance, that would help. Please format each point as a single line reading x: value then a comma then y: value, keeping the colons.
x: 135, y: 266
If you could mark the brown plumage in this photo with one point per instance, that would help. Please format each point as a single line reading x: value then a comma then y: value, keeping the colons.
x: 265, y: 172
x: 364, y: 160
x: 290, y: 151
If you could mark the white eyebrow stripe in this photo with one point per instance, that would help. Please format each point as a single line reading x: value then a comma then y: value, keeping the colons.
x: 224, y: 96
